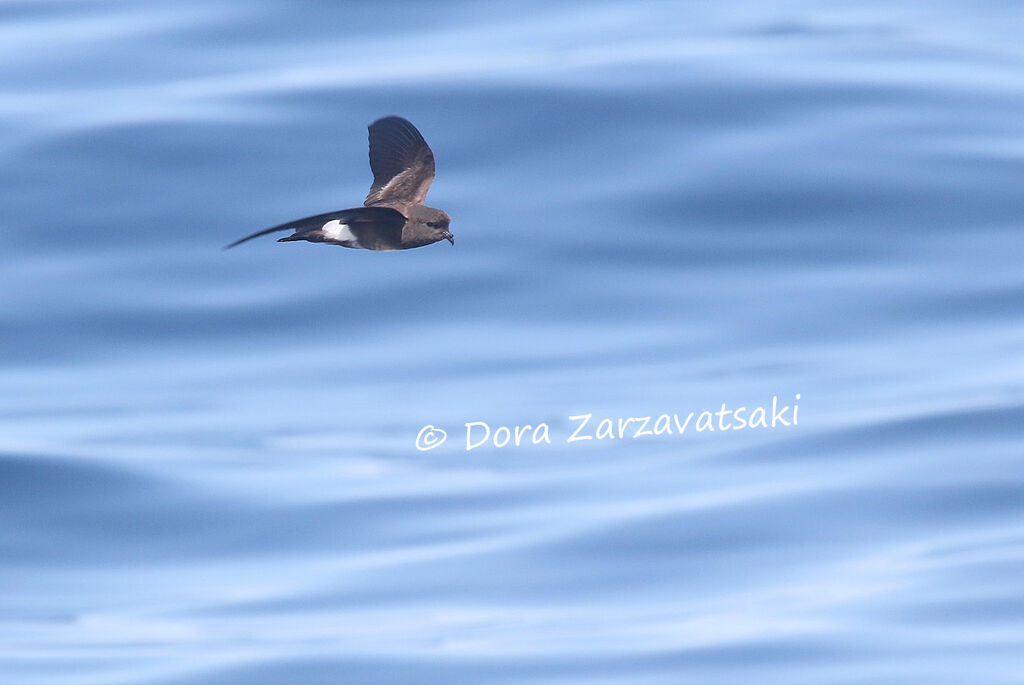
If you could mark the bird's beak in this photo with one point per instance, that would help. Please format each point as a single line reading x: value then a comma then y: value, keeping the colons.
x: 450, y: 238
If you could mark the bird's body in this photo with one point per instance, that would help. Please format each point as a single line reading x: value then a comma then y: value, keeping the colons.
x: 393, y: 216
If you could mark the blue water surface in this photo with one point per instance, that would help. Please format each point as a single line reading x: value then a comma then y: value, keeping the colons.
x: 209, y: 470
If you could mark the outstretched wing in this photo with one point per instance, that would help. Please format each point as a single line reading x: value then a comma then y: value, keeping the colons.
x: 401, y: 161
x: 371, y: 225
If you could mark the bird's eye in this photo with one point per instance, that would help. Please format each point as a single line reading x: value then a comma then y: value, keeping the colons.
x: 430, y: 223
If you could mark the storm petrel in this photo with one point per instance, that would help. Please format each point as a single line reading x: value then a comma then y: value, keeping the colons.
x: 393, y: 217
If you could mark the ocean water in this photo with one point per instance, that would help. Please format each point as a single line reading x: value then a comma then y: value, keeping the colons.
x: 210, y: 463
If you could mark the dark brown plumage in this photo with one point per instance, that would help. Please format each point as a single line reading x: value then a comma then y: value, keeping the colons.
x: 393, y: 217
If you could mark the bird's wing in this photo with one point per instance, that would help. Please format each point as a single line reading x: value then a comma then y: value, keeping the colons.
x: 401, y: 161
x: 381, y: 224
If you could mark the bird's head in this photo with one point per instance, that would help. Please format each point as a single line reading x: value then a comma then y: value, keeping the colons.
x: 438, y: 223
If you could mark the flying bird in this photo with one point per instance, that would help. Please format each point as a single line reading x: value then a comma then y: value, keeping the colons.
x: 393, y: 217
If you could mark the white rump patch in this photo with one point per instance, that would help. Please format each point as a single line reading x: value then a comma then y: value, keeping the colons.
x: 335, y: 230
